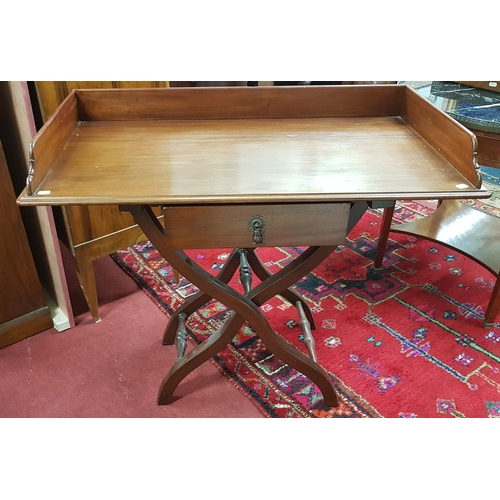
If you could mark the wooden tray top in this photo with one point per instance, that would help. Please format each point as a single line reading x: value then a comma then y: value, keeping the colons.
x: 250, y: 145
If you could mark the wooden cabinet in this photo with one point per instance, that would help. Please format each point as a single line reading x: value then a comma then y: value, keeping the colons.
x: 488, y: 148
x: 23, y: 311
x: 90, y: 232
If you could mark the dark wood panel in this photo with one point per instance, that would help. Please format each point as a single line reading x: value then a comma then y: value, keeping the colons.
x: 51, y: 94
x: 240, y: 102
x: 488, y: 151
x: 20, y: 291
x: 454, y: 142
x: 25, y: 326
x: 47, y: 145
x: 23, y: 311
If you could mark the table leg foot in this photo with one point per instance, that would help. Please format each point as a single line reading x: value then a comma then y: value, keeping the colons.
x: 383, y: 236
x: 167, y: 399
x: 197, y: 356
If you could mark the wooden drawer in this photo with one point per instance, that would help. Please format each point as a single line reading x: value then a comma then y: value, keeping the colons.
x: 224, y: 226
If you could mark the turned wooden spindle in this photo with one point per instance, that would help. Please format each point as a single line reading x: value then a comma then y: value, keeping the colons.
x: 305, y: 326
x: 245, y: 272
x: 177, y: 277
x: 181, y: 336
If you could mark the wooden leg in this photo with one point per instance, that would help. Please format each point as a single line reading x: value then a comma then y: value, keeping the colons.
x: 493, y: 306
x: 199, y: 299
x: 197, y: 356
x: 86, y: 277
x: 288, y: 293
x: 248, y: 309
x: 383, y: 236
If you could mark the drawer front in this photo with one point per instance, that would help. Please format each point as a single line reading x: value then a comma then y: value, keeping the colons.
x: 248, y: 225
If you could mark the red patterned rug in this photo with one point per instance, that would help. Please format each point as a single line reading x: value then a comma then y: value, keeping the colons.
x: 406, y: 341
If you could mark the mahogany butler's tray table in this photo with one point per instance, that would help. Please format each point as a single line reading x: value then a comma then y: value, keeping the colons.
x: 246, y: 167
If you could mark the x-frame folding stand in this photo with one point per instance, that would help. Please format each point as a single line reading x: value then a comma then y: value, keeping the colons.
x: 243, y: 306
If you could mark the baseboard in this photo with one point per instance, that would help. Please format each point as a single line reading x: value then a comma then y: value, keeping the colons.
x: 25, y: 326
x: 60, y: 320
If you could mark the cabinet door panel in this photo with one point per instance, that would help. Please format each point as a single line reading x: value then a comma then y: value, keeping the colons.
x: 20, y: 289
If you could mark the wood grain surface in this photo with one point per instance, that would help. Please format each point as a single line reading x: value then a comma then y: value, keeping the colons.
x: 257, y: 145
x: 213, y: 226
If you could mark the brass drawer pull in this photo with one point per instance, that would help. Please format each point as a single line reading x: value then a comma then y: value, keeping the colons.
x: 257, y: 225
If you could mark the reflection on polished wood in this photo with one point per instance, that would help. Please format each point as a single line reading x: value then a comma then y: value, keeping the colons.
x: 460, y: 227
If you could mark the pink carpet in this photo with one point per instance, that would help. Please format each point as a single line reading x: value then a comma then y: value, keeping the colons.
x: 109, y: 369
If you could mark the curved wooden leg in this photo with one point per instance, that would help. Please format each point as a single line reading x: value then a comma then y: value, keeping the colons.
x: 197, y: 356
x: 296, y: 359
x: 188, y: 307
x: 493, y: 306
x: 383, y: 236
x: 200, y: 298
x: 289, y: 275
x: 86, y: 277
x: 288, y: 293
x: 247, y: 308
